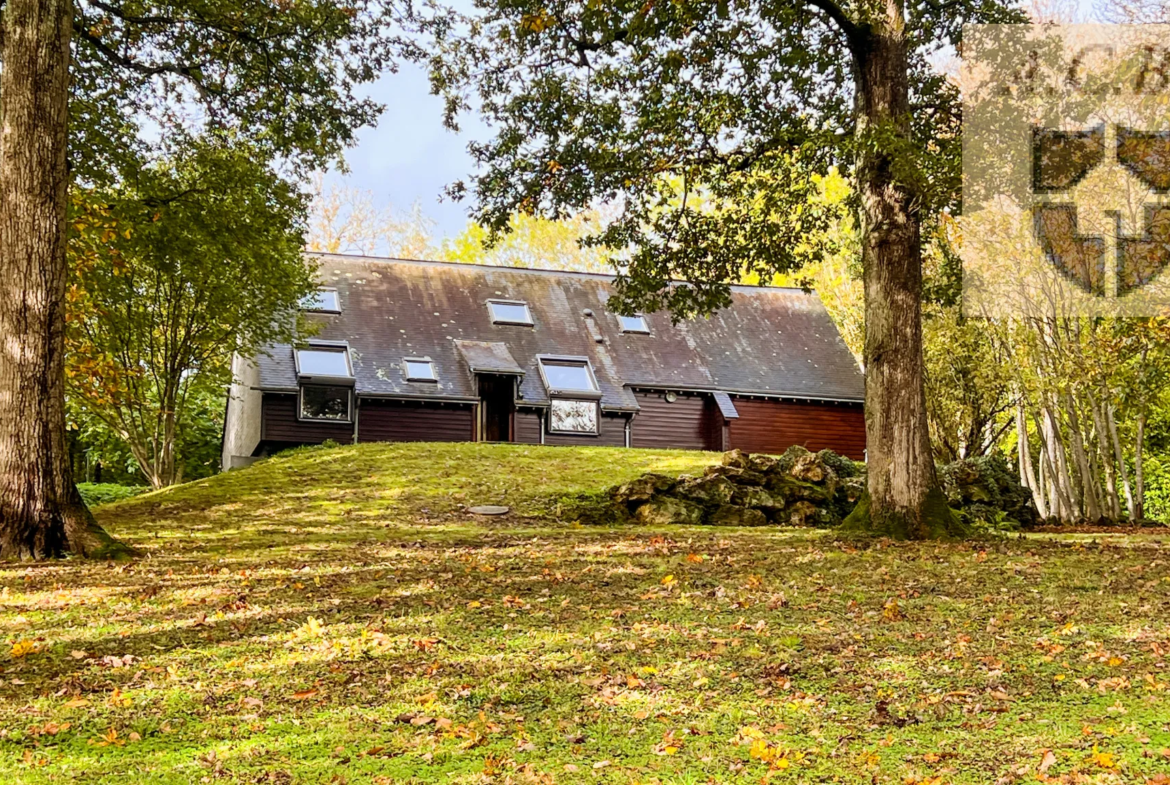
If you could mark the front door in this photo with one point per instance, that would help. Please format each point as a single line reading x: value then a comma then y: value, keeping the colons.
x: 497, y: 405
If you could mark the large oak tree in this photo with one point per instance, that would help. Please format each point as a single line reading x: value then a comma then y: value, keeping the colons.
x: 88, y: 92
x: 705, y: 120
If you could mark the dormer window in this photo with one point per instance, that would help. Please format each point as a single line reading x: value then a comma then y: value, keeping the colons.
x: 419, y: 369
x: 567, y: 376
x: 634, y: 324
x: 322, y: 301
x: 324, y: 361
x: 510, y: 312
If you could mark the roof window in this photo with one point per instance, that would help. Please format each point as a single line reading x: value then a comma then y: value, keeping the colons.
x: 634, y: 324
x: 567, y: 376
x: 322, y: 301
x: 510, y: 312
x: 419, y: 369
x: 324, y: 361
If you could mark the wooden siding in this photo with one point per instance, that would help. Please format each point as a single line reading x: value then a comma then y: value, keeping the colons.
x: 772, y: 426
x: 526, y: 426
x: 414, y: 421
x: 280, y: 425
x: 612, y: 431
x: 692, y: 422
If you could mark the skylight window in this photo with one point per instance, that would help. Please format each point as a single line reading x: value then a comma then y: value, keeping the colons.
x: 509, y: 312
x: 323, y: 301
x: 330, y: 361
x: 419, y: 370
x: 634, y: 324
x: 568, y: 376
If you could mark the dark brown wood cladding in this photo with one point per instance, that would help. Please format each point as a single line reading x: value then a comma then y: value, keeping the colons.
x: 526, y: 426
x: 772, y: 426
x: 415, y: 421
x: 280, y: 424
x: 691, y: 422
x: 612, y: 431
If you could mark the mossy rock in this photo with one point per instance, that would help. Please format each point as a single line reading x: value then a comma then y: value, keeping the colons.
x: 734, y: 515
x: 665, y: 510
x: 710, y: 491
x: 642, y: 489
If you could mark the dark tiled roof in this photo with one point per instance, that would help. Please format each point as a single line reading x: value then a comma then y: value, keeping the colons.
x: 771, y: 341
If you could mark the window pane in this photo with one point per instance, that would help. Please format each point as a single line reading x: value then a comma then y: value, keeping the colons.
x: 321, y: 300
x: 323, y: 362
x: 420, y: 369
x: 510, y: 312
x: 568, y: 376
x: 634, y: 324
x: 575, y: 416
x: 325, y: 403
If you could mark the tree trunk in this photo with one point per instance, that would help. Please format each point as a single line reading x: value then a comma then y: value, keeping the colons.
x: 1139, y: 477
x: 903, y: 497
x: 41, y: 512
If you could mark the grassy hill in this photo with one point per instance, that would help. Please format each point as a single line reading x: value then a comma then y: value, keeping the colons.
x: 333, y: 616
x: 343, y: 494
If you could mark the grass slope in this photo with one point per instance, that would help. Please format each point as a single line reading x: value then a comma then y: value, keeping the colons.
x: 333, y: 616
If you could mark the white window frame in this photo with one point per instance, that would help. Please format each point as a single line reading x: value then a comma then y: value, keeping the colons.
x: 558, y: 392
x: 348, y: 405
x: 495, y: 320
x: 434, y: 377
x: 559, y: 432
x: 320, y: 289
x: 342, y: 349
x: 645, y: 329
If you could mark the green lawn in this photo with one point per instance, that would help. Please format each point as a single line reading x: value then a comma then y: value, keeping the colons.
x: 332, y: 616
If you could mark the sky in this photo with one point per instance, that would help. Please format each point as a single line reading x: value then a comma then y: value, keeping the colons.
x: 409, y: 156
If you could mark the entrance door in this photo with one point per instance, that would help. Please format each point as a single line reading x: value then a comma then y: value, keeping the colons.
x: 497, y: 405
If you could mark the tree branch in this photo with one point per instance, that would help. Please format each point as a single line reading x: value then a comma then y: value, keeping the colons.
x: 836, y: 13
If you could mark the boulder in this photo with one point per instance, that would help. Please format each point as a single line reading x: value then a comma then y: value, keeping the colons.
x: 805, y: 513
x: 666, y: 511
x: 709, y: 491
x: 787, y: 489
x: 764, y: 464
x: 737, y: 459
x: 751, y: 496
x: 642, y: 489
x: 987, y: 490
x: 734, y: 515
x: 735, y: 475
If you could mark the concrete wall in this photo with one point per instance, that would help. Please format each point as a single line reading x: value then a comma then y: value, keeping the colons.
x: 241, y: 429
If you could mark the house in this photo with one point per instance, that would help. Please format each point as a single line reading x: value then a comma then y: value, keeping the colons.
x: 431, y: 351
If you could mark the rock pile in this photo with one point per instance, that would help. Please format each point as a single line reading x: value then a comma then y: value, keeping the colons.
x: 800, y: 488
x: 987, y: 491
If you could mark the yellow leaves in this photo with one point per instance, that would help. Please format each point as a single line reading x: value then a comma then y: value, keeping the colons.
x: 76, y: 703
x: 119, y: 700
x: 23, y: 648
x: 536, y: 23
x: 891, y: 611
x: 108, y: 738
x: 1103, y: 759
x: 311, y: 628
x: 668, y: 580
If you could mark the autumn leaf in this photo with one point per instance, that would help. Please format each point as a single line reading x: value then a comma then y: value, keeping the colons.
x: 22, y: 648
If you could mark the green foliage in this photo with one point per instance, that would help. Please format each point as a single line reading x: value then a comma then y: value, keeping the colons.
x: 280, y: 77
x: 632, y: 103
x: 197, y: 258
x: 95, y: 493
x: 1157, y: 487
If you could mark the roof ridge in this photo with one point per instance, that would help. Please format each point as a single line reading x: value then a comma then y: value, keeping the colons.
x: 532, y: 270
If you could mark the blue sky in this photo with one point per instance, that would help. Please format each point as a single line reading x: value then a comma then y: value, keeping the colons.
x: 409, y: 156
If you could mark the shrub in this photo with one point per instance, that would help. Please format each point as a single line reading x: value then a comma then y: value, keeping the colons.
x: 95, y: 493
